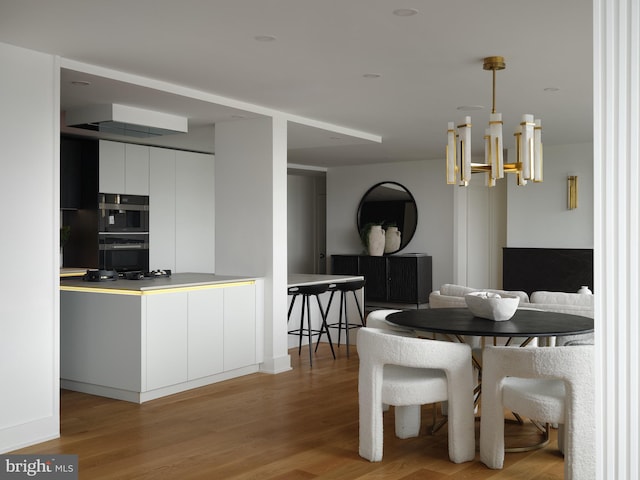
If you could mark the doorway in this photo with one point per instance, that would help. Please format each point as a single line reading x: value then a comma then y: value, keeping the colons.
x: 306, y: 222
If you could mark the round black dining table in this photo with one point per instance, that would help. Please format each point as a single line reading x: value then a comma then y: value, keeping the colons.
x: 524, y: 323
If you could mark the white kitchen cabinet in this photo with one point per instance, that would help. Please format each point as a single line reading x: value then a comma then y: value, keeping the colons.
x: 239, y: 326
x: 123, y: 168
x: 195, y: 212
x: 181, y: 211
x: 162, y: 208
x: 99, y: 342
x: 206, y: 332
x: 111, y: 167
x: 166, y: 339
x: 136, y: 172
x: 198, y: 333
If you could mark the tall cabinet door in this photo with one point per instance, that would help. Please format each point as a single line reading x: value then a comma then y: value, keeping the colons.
x: 111, y: 167
x: 195, y: 217
x: 136, y: 176
x: 162, y: 208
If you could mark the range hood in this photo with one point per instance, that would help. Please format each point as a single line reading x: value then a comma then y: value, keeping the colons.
x: 125, y: 120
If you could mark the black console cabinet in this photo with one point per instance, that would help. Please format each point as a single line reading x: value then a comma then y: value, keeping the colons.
x: 394, y: 279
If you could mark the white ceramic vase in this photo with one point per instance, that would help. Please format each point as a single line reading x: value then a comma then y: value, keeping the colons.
x: 392, y: 240
x: 376, y: 241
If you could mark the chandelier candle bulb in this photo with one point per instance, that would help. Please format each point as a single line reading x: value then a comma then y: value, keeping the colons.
x: 451, y: 154
x: 495, y: 129
x: 489, y: 180
x: 526, y: 146
x: 537, y: 141
x: 465, y: 151
x: 520, y: 180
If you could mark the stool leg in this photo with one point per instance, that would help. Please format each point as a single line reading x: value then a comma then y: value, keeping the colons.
x: 301, y: 332
x: 355, y: 297
x: 293, y: 301
x: 342, y: 308
x: 326, y: 314
x: 324, y: 327
x: 346, y: 322
x: 309, y: 332
x: 359, y: 309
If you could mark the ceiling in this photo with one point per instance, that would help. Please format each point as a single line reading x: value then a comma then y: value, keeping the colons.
x: 361, y: 70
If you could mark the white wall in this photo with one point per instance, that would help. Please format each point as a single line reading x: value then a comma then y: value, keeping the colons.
x: 30, y: 192
x: 537, y: 214
x: 426, y: 182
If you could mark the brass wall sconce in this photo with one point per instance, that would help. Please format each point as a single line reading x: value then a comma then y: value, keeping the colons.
x: 572, y: 192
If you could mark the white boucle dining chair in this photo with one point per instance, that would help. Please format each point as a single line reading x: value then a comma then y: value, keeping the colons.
x: 408, y: 372
x: 547, y: 384
x: 378, y: 319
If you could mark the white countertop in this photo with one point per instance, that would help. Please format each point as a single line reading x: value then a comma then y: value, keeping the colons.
x: 177, y: 280
x: 300, y: 279
x: 186, y: 280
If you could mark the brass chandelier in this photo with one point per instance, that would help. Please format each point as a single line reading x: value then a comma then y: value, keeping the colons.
x: 528, y: 135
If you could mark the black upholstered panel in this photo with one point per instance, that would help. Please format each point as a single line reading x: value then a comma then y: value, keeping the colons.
x: 552, y: 269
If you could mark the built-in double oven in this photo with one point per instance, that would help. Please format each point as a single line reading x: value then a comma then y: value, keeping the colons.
x: 123, y: 235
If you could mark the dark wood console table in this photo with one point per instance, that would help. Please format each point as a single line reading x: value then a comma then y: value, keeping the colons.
x: 393, y: 279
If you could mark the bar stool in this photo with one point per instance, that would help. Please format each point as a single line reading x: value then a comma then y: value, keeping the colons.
x: 307, y: 291
x: 344, y: 289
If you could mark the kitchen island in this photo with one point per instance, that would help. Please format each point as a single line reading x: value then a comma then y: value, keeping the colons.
x: 138, y: 340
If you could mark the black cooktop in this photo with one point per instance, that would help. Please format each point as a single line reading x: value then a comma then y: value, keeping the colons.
x: 145, y: 275
x: 112, y: 275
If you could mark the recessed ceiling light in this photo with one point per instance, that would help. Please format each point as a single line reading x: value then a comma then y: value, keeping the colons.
x: 552, y: 89
x: 405, y: 12
x: 371, y: 75
x: 80, y: 83
x: 264, y: 38
x: 470, y: 108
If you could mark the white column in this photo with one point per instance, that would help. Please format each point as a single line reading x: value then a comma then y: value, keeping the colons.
x: 30, y: 193
x: 277, y: 358
x: 460, y: 235
x: 251, y: 219
x: 617, y: 236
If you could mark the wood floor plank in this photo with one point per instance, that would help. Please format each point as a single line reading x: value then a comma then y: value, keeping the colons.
x: 298, y: 425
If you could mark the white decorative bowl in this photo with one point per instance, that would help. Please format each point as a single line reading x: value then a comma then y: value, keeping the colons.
x: 492, y: 306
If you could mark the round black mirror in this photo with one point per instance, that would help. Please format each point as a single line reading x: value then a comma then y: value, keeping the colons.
x: 389, y: 204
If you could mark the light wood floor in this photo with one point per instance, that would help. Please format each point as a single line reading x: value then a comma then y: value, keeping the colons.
x: 297, y: 425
